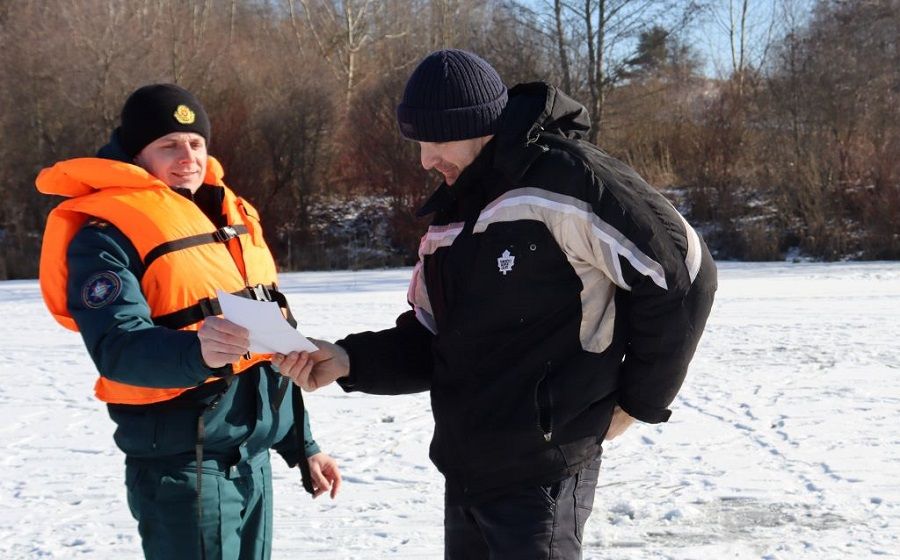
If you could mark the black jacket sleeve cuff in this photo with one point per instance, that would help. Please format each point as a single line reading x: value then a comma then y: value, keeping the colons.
x: 348, y: 384
x: 646, y: 414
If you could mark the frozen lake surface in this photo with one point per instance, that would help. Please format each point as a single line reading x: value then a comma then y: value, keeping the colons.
x: 784, y: 442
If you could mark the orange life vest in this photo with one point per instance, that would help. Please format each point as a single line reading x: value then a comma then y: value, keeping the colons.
x: 186, y: 257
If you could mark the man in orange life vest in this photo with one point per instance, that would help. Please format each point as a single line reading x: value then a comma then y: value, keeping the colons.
x: 132, y: 260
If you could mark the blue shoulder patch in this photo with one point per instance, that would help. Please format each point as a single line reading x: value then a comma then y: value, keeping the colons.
x: 100, y: 289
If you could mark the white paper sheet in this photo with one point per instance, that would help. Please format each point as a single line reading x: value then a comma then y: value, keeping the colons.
x: 269, y: 332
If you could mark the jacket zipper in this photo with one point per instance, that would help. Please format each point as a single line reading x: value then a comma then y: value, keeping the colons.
x: 534, y: 134
x: 543, y: 400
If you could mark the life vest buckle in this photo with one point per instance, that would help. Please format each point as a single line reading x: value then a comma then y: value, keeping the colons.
x: 225, y: 233
x: 260, y: 292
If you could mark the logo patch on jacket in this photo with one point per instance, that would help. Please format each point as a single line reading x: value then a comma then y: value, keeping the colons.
x: 505, y: 262
x: 100, y: 289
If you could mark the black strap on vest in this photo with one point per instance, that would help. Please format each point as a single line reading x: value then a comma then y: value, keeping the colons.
x: 207, y: 307
x: 299, y: 421
x: 221, y: 235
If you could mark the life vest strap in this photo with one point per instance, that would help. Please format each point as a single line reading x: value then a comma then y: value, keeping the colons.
x: 196, y: 398
x: 299, y: 437
x: 207, y: 307
x: 221, y: 235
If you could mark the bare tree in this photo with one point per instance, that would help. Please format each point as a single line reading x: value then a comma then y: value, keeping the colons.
x: 561, y: 45
x: 606, y: 32
x: 339, y: 31
x: 302, y: 95
x: 751, y: 29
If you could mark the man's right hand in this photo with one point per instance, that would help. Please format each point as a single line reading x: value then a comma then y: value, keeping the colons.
x: 316, y: 369
x: 222, y: 342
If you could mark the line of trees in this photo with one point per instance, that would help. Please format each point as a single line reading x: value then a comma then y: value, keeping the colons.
x: 792, y: 148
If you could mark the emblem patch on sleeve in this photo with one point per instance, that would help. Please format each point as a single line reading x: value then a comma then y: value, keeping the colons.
x: 100, y: 289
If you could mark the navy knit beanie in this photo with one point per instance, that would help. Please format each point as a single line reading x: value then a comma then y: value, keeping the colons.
x: 159, y: 109
x: 451, y: 95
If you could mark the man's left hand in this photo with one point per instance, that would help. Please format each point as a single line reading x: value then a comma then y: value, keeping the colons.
x: 325, y: 474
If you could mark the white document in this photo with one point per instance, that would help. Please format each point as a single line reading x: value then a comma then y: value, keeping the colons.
x: 270, y: 333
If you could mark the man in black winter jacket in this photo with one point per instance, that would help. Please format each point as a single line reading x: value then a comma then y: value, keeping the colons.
x: 557, y: 298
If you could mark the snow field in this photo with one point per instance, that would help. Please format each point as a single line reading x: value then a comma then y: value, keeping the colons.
x: 784, y: 442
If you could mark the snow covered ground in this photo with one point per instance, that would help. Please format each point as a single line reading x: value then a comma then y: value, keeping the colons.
x: 784, y: 443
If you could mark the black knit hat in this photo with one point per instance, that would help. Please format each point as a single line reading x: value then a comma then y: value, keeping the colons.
x: 451, y: 95
x: 159, y: 109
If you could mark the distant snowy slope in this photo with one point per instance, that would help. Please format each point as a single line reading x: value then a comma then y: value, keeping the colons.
x: 784, y: 443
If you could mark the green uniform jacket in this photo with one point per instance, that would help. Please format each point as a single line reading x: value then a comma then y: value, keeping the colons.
x: 127, y: 347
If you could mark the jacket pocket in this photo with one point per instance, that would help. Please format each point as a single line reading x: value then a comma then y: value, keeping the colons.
x: 138, y: 430
x: 175, y: 431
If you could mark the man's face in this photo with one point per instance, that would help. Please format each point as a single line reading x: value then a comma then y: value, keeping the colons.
x: 450, y: 158
x: 178, y: 159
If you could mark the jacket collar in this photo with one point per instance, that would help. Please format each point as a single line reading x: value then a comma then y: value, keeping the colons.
x: 534, y: 109
x: 113, y: 149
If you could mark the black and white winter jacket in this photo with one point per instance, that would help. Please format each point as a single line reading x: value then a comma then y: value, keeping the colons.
x: 552, y: 284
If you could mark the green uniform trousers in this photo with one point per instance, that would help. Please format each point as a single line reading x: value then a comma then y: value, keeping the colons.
x: 236, y: 519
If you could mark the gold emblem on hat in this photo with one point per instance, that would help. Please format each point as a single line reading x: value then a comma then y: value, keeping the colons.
x: 184, y: 115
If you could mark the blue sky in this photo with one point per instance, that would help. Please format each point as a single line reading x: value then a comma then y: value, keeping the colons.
x: 765, y: 19
x: 708, y: 32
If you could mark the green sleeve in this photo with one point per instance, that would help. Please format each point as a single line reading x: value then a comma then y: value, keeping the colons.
x: 310, y: 447
x: 105, y: 299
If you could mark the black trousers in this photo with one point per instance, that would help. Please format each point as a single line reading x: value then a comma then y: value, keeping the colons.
x: 534, y: 523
